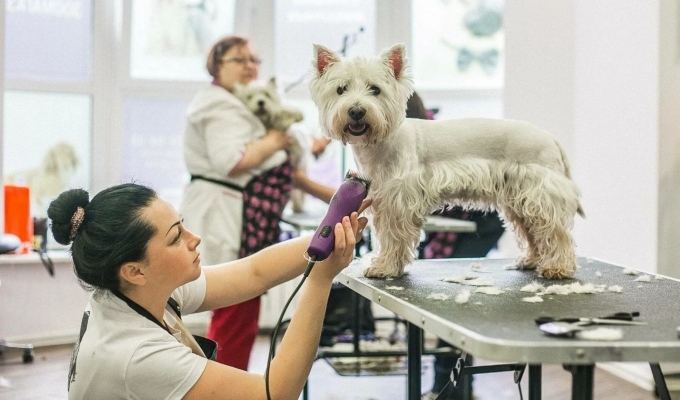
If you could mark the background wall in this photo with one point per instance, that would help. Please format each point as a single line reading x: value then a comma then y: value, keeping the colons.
x: 605, y: 79
x: 669, y: 138
x: 589, y: 72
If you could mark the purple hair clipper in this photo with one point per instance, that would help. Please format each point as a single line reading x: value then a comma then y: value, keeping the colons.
x: 346, y: 200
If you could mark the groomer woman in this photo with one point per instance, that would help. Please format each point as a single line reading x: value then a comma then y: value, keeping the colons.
x: 132, y: 249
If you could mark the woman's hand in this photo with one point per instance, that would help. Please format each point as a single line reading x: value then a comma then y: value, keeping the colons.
x: 347, y: 234
x: 278, y: 139
x: 319, y: 144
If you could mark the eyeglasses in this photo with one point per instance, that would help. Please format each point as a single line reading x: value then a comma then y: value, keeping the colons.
x: 243, y: 60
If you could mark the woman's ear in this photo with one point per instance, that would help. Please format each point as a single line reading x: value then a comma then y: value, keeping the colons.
x: 133, y: 273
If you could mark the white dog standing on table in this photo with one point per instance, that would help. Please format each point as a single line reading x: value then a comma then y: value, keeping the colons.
x: 417, y: 166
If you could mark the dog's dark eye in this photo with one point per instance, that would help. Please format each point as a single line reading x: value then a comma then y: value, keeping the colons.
x: 375, y: 90
x: 342, y: 89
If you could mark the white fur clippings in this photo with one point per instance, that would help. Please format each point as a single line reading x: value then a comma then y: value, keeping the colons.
x: 533, y: 299
x: 574, y: 288
x: 615, y: 289
x: 533, y: 287
x: 477, y: 267
x: 489, y: 290
x: 462, y: 297
x: 600, y: 333
x: 630, y: 271
x: 417, y: 166
x: 438, y: 296
x: 643, y: 278
x: 394, y: 287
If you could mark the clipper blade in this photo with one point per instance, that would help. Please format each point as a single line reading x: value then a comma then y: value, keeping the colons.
x: 354, y: 175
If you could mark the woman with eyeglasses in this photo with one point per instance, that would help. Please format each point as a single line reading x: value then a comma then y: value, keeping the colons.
x: 241, y: 178
x: 130, y: 247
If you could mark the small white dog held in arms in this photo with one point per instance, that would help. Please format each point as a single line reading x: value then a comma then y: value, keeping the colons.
x: 417, y: 166
x: 263, y: 100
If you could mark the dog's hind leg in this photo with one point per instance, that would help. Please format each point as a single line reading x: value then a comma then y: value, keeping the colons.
x: 549, y: 214
x: 397, y: 240
x: 530, y: 259
x: 557, y: 256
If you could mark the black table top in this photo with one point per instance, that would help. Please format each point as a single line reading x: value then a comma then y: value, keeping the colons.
x: 502, y: 328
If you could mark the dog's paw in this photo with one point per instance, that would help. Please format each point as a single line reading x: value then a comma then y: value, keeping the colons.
x: 378, y: 272
x: 556, y: 273
x: 526, y: 262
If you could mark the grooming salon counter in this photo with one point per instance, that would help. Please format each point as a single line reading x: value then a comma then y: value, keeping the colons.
x: 502, y: 327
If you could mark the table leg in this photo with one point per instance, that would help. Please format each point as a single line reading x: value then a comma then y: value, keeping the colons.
x: 535, y: 378
x: 660, y: 381
x: 581, y: 381
x: 415, y: 351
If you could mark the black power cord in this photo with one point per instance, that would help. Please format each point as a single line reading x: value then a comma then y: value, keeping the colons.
x: 272, y: 345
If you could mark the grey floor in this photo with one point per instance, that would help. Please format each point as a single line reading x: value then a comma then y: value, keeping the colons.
x: 45, y: 378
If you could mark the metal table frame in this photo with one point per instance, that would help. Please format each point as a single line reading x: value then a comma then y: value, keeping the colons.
x: 577, y: 357
x: 308, y: 221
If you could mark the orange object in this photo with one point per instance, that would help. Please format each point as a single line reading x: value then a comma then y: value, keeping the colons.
x: 18, y: 213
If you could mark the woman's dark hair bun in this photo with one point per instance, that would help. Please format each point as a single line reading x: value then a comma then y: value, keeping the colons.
x: 61, y: 211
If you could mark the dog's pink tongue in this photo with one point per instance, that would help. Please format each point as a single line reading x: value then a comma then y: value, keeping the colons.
x: 356, y: 127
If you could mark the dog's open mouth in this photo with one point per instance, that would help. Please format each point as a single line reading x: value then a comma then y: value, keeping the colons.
x: 356, y: 129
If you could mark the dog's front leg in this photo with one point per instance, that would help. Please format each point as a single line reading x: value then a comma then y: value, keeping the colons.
x: 398, y: 235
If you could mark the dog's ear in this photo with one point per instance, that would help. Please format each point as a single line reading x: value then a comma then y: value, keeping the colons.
x: 323, y: 58
x: 394, y: 58
x: 50, y: 162
x: 272, y: 83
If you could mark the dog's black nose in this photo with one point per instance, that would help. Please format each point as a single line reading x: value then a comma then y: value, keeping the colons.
x: 260, y: 103
x: 356, y: 113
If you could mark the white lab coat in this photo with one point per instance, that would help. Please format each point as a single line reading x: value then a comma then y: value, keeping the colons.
x: 218, y: 128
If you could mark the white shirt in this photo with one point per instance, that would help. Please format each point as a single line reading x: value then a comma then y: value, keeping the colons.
x: 123, y: 355
x: 219, y: 126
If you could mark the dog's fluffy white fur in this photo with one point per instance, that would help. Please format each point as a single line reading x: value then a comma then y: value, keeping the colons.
x: 417, y: 166
x: 264, y: 101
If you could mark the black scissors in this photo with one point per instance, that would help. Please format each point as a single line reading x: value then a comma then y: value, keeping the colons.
x: 619, y: 318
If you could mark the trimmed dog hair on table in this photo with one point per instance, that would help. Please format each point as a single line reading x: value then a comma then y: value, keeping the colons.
x: 417, y: 166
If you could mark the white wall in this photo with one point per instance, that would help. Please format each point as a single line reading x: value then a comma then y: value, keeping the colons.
x: 669, y: 139
x: 616, y: 129
x: 588, y: 72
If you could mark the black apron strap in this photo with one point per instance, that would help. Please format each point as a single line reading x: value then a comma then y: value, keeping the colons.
x: 208, y: 346
x: 139, y: 309
x: 175, y: 307
x: 217, y: 182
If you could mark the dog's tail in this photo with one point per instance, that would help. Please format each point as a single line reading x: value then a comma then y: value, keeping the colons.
x: 567, y: 173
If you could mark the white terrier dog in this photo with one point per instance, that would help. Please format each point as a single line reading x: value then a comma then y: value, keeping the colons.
x: 265, y: 103
x: 417, y: 166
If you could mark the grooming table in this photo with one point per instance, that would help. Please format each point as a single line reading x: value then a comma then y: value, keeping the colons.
x: 501, y: 327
